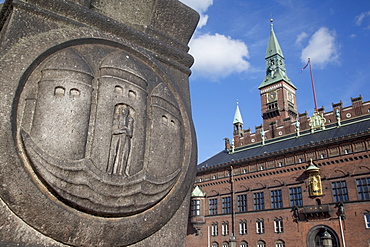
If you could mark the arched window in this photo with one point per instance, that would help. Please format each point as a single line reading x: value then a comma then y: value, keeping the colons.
x: 225, y: 228
x: 214, y: 229
x: 261, y: 243
x: 59, y: 91
x: 74, y: 92
x: 318, y: 234
x: 225, y: 244
x: 279, y: 243
x: 278, y: 225
x: 131, y: 94
x: 118, y: 90
x: 164, y: 120
x: 243, y: 227
x: 243, y: 244
x: 260, y: 226
x: 214, y: 244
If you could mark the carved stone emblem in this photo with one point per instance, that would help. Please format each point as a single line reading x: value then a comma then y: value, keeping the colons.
x: 95, y: 123
x: 97, y: 139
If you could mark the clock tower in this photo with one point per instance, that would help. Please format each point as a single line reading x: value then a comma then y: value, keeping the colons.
x: 278, y: 94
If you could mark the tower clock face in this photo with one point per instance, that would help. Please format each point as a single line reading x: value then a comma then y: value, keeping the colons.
x: 291, y: 97
x: 271, y: 96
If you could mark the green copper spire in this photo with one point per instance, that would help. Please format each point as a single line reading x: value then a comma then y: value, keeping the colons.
x: 238, y: 117
x: 275, y: 66
x: 273, y: 46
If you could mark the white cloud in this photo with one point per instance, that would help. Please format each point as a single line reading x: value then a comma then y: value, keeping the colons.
x: 322, y: 48
x: 361, y: 17
x: 300, y: 38
x: 217, y: 56
x: 201, y: 6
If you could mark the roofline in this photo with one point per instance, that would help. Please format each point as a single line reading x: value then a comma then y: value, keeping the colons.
x: 306, y: 146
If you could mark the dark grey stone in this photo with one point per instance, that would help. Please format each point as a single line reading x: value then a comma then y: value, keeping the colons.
x: 98, y: 145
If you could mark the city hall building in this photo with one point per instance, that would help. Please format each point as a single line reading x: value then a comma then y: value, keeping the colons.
x: 298, y: 180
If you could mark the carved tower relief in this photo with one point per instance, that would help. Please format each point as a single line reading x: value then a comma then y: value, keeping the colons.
x: 63, y: 106
x: 98, y: 133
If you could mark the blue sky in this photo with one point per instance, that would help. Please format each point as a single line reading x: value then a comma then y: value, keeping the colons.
x: 229, y: 48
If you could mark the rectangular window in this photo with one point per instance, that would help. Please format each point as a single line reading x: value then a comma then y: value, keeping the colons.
x: 363, y: 188
x: 340, y: 193
x: 276, y: 199
x: 212, y: 206
x: 367, y: 220
x: 195, y: 207
x: 243, y: 227
x: 225, y: 228
x: 226, y: 205
x: 258, y: 201
x: 295, y: 196
x: 242, y: 203
x: 260, y: 227
x: 214, y: 229
x: 278, y: 225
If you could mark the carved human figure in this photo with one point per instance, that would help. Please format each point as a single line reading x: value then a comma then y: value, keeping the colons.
x: 315, y: 185
x: 297, y: 126
x: 263, y: 133
x: 272, y: 68
x: 337, y: 114
x: 122, y: 131
x: 295, y: 210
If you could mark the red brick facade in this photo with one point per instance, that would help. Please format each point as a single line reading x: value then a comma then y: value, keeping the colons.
x: 298, y: 180
x: 344, y: 164
x: 286, y: 126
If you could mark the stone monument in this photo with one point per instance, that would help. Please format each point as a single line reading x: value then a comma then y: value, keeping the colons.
x: 97, y: 142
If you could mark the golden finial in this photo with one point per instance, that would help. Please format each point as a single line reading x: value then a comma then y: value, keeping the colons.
x: 271, y: 24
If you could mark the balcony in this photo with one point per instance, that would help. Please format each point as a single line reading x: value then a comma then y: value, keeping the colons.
x: 317, y: 211
x: 197, y: 222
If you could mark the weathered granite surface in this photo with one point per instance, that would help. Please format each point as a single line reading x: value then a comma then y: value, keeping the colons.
x: 96, y: 137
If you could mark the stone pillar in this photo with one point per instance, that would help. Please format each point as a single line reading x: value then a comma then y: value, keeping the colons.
x: 97, y: 139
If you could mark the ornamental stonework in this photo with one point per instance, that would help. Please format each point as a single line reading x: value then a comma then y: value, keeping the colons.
x: 96, y: 130
x: 87, y: 136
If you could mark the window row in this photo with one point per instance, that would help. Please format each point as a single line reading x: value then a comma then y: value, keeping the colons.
x: 243, y: 227
x: 323, y: 154
x: 60, y: 91
x: 260, y: 243
x: 258, y: 201
x: 339, y: 192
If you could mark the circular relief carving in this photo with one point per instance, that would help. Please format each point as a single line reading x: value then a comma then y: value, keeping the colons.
x: 84, y: 132
x: 280, y: 133
x: 91, y: 134
x: 348, y: 115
